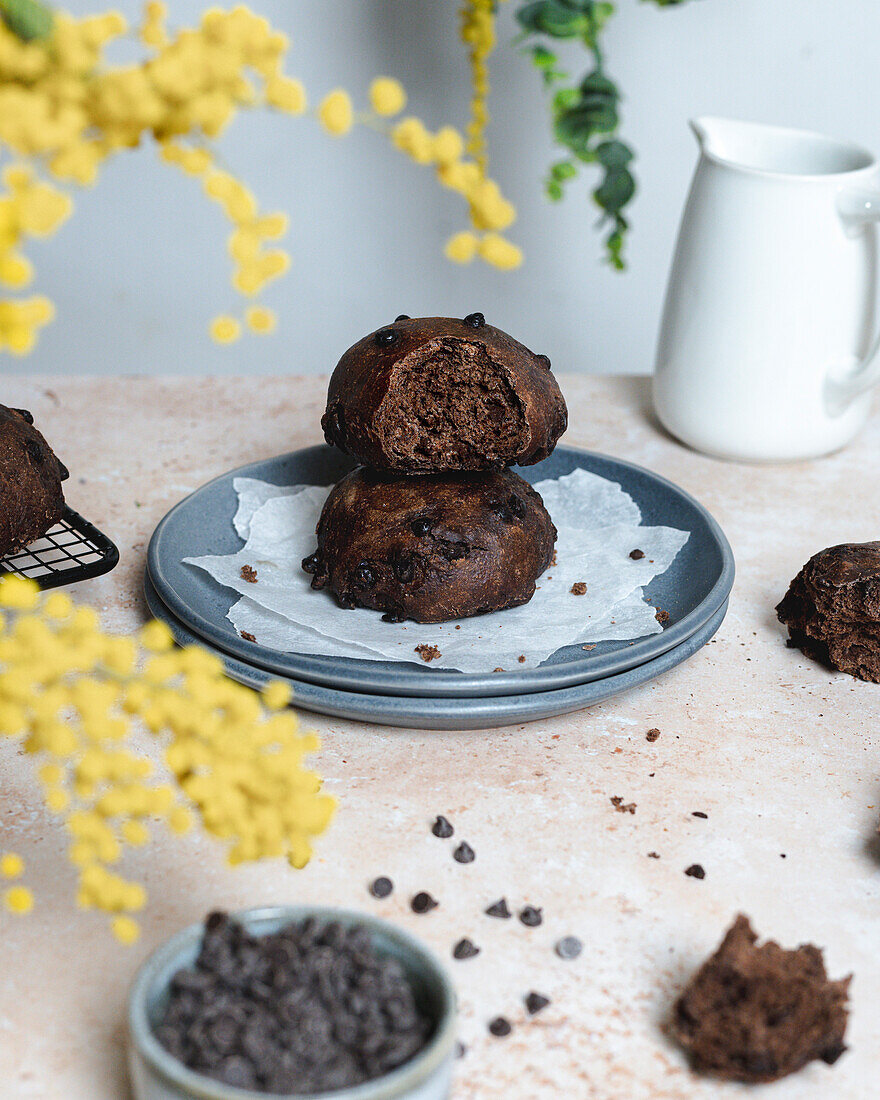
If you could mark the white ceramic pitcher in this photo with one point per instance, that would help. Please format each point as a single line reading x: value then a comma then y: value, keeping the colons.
x: 766, y: 350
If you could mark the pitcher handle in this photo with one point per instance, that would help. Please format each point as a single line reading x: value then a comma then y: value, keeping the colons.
x: 857, y: 208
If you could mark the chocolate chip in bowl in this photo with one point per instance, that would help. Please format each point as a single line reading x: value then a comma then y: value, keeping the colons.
x: 291, y: 1002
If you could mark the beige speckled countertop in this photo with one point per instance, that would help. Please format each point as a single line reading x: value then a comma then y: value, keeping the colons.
x: 781, y: 755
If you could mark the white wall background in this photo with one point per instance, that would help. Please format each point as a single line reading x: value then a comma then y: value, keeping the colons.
x: 141, y: 268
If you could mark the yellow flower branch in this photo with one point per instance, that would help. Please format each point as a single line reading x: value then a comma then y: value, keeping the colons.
x: 64, y: 111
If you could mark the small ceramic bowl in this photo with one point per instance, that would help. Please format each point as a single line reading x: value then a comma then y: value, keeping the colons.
x: 157, y: 1075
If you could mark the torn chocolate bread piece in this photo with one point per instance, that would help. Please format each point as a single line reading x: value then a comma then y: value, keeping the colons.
x: 31, y: 500
x: 434, y: 394
x: 432, y: 548
x: 832, y: 609
x: 756, y: 1014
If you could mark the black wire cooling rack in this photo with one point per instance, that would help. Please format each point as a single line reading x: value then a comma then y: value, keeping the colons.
x: 73, y: 550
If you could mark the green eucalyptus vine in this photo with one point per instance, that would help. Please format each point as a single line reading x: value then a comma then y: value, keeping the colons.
x: 585, y: 116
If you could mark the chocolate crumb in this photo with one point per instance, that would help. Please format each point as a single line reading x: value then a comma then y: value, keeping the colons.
x: 535, y: 1002
x: 423, y: 903
x: 569, y: 947
x: 662, y: 616
x: 249, y: 574
x: 588, y: 646
x: 248, y: 637
x: 652, y: 735
x: 500, y: 1027
x: 579, y: 588
x: 497, y: 669
x: 464, y: 853
x: 428, y: 652
x: 522, y: 659
x: 531, y: 916
x: 621, y: 806
x: 637, y: 555
x: 442, y: 827
x: 699, y: 813
x: 465, y: 949
x: 695, y: 871
x: 381, y: 887
x: 499, y: 909
x: 653, y: 855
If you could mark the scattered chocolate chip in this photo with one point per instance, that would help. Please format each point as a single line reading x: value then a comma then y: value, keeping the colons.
x: 475, y: 320
x: 465, y: 949
x: 652, y: 735
x: 248, y: 637
x: 423, y: 903
x: 531, y: 916
x: 637, y: 555
x: 420, y: 527
x: 464, y: 853
x: 535, y: 1002
x: 500, y: 1027
x: 544, y: 360
x: 25, y: 415
x: 621, y: 806
x: 248, y: 573
x: 35, y: 450
x: 428, y: 652
x: 385, y: 337
x: 569, y: 947
x: 442, y: 827
x: 381, y: 887
x: 393, y: 617
x: 312, y: 563
x: 662, y: 616
x: 63, y: 471
x: 653, y: 855
x: 579, y: 588
x: 695, y: 871
x: 499, y: 909
x: 699, y: 813
x: 516, y: 505
x: 402, y: 317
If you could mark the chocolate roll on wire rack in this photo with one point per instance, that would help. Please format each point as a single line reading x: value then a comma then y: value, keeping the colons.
x: 71, y: 550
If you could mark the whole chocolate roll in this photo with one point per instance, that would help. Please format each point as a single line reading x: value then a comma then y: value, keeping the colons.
x: 433, y: 548
x: 31, y: 500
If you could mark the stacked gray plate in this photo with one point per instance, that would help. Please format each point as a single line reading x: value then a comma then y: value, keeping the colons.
x: 694, y: 591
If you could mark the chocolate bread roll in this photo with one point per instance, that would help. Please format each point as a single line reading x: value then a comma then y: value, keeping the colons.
x: 832, y: 609
x: 437, y: 394
x: 31, y: 500
x: 433, y: 548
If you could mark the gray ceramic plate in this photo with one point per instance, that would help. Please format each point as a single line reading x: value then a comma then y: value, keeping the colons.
x: 447, y: 713
x: 691, y: 590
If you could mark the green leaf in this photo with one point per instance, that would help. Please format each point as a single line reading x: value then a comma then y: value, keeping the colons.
x: 597, y: 84
x: 553, y: 190
x: 563, y: 170
x: 29, y: 20
x: 553, y: 17
x: 615, y: 191
x: 613, y: 154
